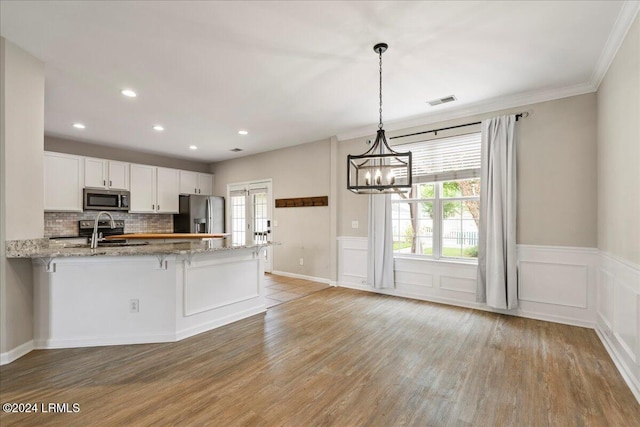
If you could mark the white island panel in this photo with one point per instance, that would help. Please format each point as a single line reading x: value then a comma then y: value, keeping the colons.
x: 86, y: 301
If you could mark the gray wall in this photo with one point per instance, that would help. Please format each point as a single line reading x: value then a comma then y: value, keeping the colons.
x: 21, y: 195
x: 619, y: 152
x: 299, y: 171
x: 81, y: 148
x: 556, y: 173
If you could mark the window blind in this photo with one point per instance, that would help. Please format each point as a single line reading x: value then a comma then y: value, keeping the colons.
x: 444, y: 159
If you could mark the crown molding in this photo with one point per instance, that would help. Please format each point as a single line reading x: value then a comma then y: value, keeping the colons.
x: 617, y: 35
x: 481, y: 107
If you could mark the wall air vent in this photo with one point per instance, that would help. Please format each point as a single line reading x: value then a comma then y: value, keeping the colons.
x: 236, y: 150
x: 444, y: 100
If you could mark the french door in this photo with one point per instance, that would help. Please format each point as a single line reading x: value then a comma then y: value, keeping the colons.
x: 250, y: 213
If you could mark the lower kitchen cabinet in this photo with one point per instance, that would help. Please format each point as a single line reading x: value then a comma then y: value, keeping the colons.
x: 154, y: 189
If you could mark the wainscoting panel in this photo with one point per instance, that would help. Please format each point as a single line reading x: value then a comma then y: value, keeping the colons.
x: 556, y: 283
x: 618, y: 320
x: 560, y: 284
x: 352, y: 272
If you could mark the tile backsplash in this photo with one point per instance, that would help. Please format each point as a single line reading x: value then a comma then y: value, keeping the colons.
x: 59, y: 224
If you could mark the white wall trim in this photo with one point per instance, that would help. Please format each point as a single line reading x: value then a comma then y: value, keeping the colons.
x: 559, y: 284
x: 482, y: 107
x: 16, y: 353
x: 44, y: 344
x: 302, y: 276
x: 623, y: 368
x: 618, y: 315
x: 216, y: 323
x: 623, y: 23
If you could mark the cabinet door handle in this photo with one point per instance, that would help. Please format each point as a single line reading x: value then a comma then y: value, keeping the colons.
x: 104, y: 182
x: 195, y: 190
x: 110, y: 183
x: 153, y: 207
x: 158, y: 207
x: 199, y: 191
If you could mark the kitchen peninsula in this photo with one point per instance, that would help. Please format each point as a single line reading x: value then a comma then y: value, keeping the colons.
x: 133, y: 294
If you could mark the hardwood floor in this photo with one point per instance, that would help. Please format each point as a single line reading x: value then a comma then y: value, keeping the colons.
x: 337, y: 357
x: 279, y: 289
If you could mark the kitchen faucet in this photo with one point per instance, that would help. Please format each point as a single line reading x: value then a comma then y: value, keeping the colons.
x: 94, y: 236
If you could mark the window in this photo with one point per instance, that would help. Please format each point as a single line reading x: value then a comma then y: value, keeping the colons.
x: 439, y: 217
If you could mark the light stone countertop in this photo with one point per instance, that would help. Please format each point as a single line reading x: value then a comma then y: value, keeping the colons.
x: 46, y: 248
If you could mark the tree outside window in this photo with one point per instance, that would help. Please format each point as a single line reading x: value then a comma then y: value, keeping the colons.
x: 438, y: 220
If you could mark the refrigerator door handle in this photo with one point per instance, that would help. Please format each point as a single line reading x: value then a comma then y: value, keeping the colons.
x: 208, y: 216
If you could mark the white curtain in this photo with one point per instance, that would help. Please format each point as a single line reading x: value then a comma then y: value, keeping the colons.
x: 380, y: 254
x: 497, y: 274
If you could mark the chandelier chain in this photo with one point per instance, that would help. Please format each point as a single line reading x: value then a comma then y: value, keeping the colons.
x: 380, y: 56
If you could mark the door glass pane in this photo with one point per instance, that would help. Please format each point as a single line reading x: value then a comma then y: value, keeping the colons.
x: 238, y: 220
x: 260, y: 218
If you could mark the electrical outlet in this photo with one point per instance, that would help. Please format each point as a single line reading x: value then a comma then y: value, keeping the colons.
x: 134, y: 306
x: 301, y: 261
x: 275, y: 223
x: 354, y: 224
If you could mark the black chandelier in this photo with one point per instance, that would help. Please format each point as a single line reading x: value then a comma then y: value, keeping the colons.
x: 380, y: 169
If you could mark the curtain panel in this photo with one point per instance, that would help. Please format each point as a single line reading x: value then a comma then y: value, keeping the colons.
x: 380, y: 253
x: 497, y: 264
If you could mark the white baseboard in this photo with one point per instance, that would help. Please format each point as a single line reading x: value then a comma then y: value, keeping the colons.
x: 623, y: 368
x: 476, y: 306
x: 16, y: 353
x: 48, y: 344
x: 618, y: 315
x: 216, y: 323
x: 302, y: 276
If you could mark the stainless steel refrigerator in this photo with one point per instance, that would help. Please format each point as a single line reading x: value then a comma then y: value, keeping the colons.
x: 199, y: 214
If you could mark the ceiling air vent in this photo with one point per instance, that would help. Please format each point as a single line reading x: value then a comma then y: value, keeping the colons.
x: 444, y: 100
x: 236, y: 150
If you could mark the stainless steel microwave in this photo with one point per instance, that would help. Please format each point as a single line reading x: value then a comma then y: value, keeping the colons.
x: 105, y: 200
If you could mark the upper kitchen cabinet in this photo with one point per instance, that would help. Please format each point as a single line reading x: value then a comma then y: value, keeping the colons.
x: 63, y: 182
x: 154, y: 189
x: 196, y: 183
x: 110, y: 174
x: 168, y: 191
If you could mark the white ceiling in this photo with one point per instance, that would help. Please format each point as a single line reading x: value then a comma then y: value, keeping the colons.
x: 295, y: 72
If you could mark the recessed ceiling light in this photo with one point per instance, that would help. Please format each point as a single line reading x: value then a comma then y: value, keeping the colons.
x: 243, y: 132
x: 129, y: 93
x: 193, y: 147
x: 159, y: 128
x: 79, y: 126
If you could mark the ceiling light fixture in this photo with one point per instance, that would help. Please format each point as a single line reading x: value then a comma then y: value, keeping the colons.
x: 380, y: 169
x: 243, y: 132
x: 193, y: 147
x: 159, y: 128
x: 79, y: 126
x: 128, y: 93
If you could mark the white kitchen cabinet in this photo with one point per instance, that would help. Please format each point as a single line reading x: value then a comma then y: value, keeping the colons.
x: 118, y: 175
x: 205, y: 184
x: 110, y: 174
x: 154, y: 189
x: 188, y: 182
x: 63, y: 182
x: 168, y: 190
x: 143, y: 189
x: 196, y: 183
